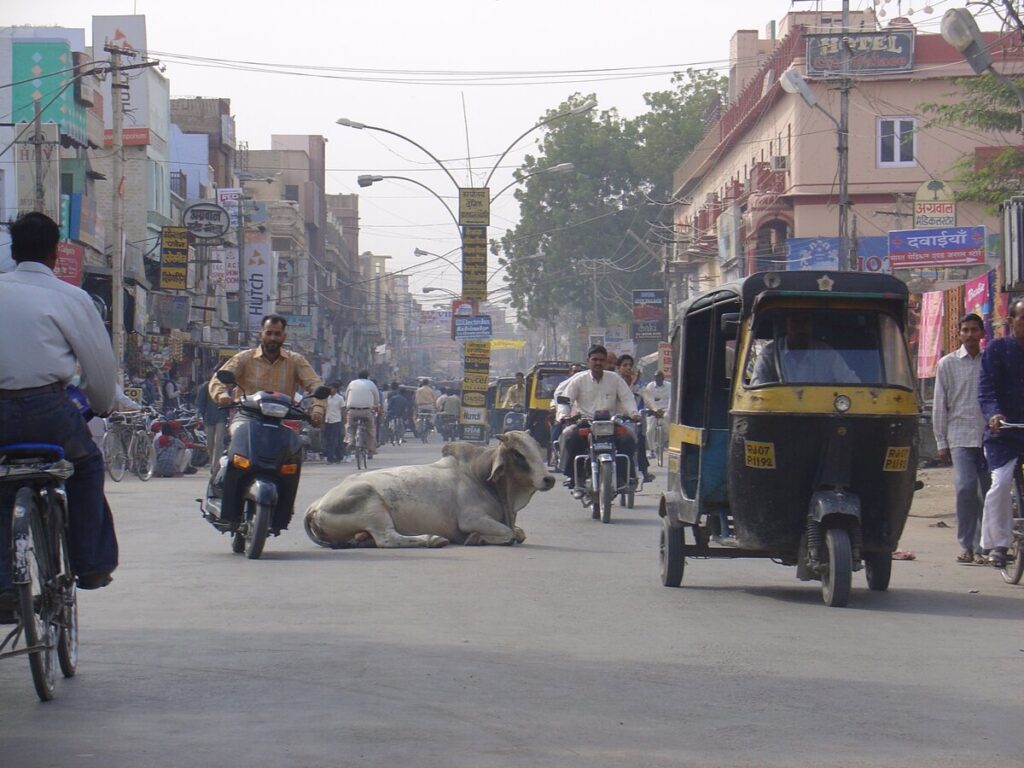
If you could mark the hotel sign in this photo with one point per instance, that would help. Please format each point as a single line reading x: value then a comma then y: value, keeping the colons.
x: 870, y: 53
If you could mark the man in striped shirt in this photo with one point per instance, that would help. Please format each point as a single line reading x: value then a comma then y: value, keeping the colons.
x: 959, y: 428
x: 272, y: 369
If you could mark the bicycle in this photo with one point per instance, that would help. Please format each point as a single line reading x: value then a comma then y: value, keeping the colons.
x: 116, y: 445
x: 658, y: 438
x: 395, y: 427
x: 141, y: 453
x: 423, y: 424
x: 359, y: 442
x: 46, y: 597
x: 1013, y: 571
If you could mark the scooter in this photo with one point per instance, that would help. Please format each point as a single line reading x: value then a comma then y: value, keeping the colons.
x: 253, y: 492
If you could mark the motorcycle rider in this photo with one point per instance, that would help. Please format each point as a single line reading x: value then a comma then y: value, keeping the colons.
x: 598, y: 390
x: 425, y: 397
x: 48, y: 326
x: 270, y: 368
x: 625, y: 368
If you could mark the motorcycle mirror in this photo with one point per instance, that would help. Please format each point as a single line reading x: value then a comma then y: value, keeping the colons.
x: 321, y: 392
x: 563, y: 400
x: 226, y: 377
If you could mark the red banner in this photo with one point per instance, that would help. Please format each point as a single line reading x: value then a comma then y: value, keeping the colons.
x: 70, y: 258
x: 930, y: 348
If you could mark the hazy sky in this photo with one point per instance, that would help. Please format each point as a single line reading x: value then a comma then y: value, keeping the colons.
x: 584, y: 40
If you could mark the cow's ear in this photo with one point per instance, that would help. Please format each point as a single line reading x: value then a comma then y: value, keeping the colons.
x: 498, y: 465
x: 502, y: 438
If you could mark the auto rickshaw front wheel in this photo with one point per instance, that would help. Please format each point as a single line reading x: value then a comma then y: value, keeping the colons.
x: 878, y: 569
x: 670, y: 552
x: 838, y: 574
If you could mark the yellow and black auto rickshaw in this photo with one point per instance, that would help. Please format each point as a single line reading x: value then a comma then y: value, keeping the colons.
x: 540, y: 386
x: 794, y: 433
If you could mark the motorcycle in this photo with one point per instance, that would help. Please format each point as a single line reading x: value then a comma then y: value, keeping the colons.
x: 253, y: 493
x: 602, y: 473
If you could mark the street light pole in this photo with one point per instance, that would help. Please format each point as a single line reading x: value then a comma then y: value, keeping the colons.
x: 845, y: 256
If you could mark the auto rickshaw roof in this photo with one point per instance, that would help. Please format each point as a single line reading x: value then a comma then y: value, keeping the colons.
x: 552, y: 364
x: 803, y: 283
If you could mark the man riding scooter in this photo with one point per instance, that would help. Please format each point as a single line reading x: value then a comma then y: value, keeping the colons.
x: 598, y: 390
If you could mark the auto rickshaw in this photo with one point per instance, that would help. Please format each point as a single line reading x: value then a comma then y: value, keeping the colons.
x: 795, y: 427
x: 496, y: 392
x: 540, y: 386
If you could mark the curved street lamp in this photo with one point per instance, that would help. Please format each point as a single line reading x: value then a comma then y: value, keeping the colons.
x: 368, y: 179
x: 560, y: 168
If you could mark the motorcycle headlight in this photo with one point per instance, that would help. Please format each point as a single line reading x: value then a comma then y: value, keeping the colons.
x: 603, y: 428
x: 274, y: 410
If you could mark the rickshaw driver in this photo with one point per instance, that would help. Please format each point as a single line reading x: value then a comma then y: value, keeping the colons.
x: 598, y: 390
x: 516, y: 394
x: 801, y: 358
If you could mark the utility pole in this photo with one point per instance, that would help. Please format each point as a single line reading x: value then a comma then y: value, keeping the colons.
x: 37, y: 140
x: 845, y: 255
x: 595, y: 294
x: 243, y: 304
x: 118, y: 93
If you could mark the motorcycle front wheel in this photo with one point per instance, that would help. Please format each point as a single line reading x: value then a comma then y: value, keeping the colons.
x: 606, y: 490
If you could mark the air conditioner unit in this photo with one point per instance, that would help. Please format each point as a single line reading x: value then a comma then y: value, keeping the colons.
x: 780, y: 163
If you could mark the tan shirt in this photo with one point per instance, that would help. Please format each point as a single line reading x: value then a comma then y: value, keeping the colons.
x: 255, y: 373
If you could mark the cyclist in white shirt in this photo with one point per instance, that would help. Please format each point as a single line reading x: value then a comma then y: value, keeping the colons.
x: 657, y: 397
x: 362, y: 400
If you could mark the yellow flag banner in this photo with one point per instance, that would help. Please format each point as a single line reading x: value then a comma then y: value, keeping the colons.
x: 507, y: 344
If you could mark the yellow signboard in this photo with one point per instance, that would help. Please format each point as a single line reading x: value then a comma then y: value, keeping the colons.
x: 474, y: 206
x: 173, y: 258
x: 508, y: 344
x: 474, y: 263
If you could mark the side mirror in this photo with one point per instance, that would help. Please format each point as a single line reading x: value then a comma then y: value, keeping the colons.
x: 730, y: 325
x: 321, y: 392
x: 563, y: 400
x: 226, y: 377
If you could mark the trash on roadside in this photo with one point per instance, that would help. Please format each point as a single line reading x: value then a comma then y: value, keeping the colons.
x: 903, y: 554
x: 973, y: 591
x: 940, y: 524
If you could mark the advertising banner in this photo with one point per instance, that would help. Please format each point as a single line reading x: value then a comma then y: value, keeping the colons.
x: 258, y: 282
x: 171, y: 311
x: 978, y: 299
x: 473, y: 328
x: 127, y: 33
x: 224, y: 268
x: 649, y: 314
x: 954, y: 247
x: 41, y: 70
x: 230, y: 199
x: 812, y: 253
x: 25, y: 160
x: 930, y: 346
x: 474, y: 263
x: 70, y: 257
x: 173, y: 259
x: 665, y: 358
x: 476, y: 362
x: 497, y: 344
x: 299, y: 327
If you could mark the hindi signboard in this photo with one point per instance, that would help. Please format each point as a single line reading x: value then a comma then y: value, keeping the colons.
x: 474, y: 263
x: 953, y: 247
x: 70, y: 258
x: 476, y: 366
x: 173, y: 258
x: 474, y: 206
x: 934, y: 205
x: 649, y: 314
x: 891, y: 50
x: 206, y: 221
x: 230, y: 199
x: 473, y: 328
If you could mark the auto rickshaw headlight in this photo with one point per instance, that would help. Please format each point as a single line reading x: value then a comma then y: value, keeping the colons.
x: 842, y: 403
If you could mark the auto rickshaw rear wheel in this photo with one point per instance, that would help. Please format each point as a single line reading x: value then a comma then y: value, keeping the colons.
x: 838, y: 573
x: 670, y: 552
x: 878, y: 570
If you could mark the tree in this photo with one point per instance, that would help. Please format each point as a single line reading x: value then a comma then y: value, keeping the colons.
x: 580, y: 238
x: 989, y: 105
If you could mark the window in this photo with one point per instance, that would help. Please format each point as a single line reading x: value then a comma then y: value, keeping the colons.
x: 291, y: 192
x: 896, y: 141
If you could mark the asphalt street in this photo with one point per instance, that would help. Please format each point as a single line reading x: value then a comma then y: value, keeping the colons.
x: 563, y: 651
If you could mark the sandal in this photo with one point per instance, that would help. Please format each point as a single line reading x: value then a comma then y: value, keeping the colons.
x: 965, y: 558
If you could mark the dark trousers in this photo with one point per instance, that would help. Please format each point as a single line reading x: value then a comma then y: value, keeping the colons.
x: 576, y: 445
x: 51, y: 418
x: 332, y: 441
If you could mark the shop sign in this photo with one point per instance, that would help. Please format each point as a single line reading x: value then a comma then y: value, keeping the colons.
x: 173, y: 258
x: 870, y: 52
x: 934, y: 205
x: 474, y: 206
x: 665, y: 358
x: 69, y: 263
x: 649, y: 314
x: 474, y: 263
x: 476, y: 364
x: 473, y: 328
x: 206, y: 221
x: 953, y: 247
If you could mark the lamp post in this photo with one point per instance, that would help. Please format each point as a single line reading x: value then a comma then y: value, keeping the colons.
x: 367, y: 180
x: 473, y: 220
x: 960, y: 30
x: 793, y: 82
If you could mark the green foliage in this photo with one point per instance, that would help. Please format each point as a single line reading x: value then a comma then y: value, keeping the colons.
x: 590, y: 225
x: 987, y: 105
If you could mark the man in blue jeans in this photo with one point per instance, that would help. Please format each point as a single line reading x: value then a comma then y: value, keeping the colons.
x: 49, y: 327
x: 959, y: 431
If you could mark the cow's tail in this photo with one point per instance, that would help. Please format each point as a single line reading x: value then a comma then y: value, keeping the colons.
x: 313, y: 530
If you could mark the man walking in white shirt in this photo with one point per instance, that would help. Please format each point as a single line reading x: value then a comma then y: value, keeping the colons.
x: 333, y: 425
x: 959, y: 428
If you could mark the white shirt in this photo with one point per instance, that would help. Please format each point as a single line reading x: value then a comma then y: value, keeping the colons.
x: 563, y: 411
x: 611, y: 393
x: 334, y: 405
x: 47, y: 325
x: 362, y: 393
x: 658, y: 398
x: 956, y: 415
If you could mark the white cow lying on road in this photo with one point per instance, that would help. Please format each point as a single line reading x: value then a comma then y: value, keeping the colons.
x: 470, y: 496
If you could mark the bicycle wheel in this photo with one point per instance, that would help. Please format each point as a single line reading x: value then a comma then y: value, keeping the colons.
x: 659, y: 448
x: 31, y: 573
x: 143, y: 456
x: 67, y: 639
x: 114, y: 456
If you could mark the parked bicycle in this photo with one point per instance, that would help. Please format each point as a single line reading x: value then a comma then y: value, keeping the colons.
x: 47, y: 600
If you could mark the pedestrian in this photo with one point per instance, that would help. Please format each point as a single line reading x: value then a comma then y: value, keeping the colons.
x: 171, y: 391
x: 215, y: 420
x: 151, y: 390
x: 959, y: 432
x: 1001, y: 395
x: 48, y: 326
x: 333, y: 421
x: 173, y: 459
